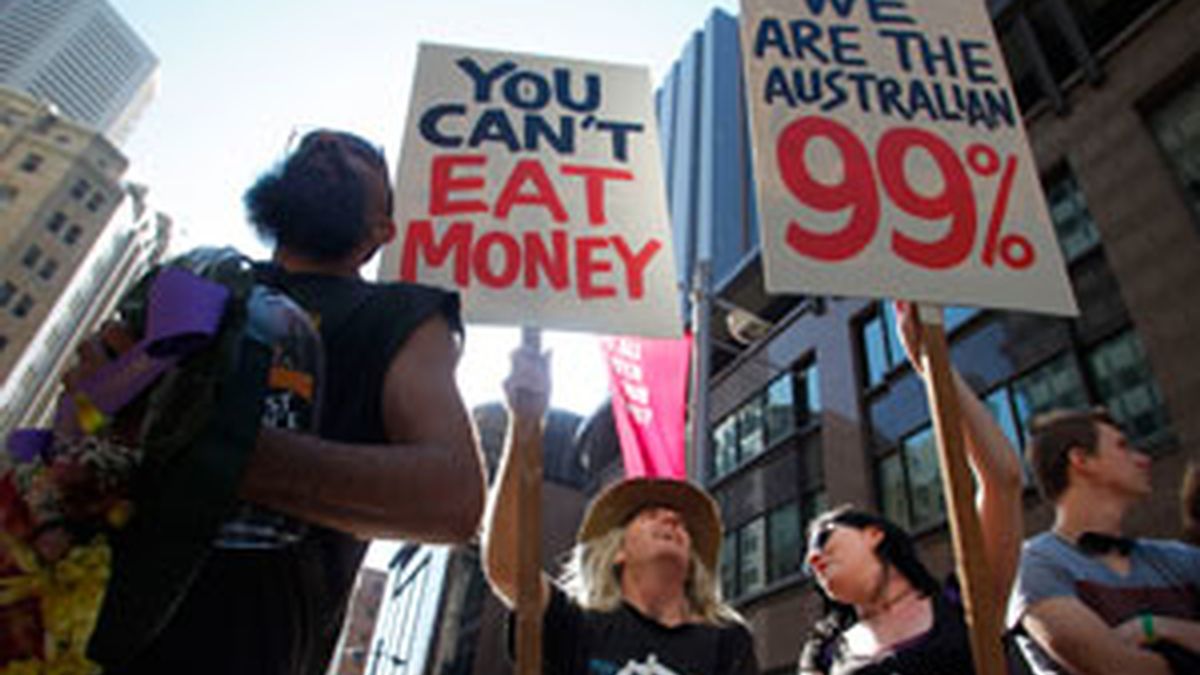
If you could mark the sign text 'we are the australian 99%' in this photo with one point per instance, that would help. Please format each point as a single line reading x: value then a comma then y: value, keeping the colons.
x: 514, y: 111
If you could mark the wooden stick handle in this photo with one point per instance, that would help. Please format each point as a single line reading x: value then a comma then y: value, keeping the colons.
x: 529, y: 542
x: 983, y: 617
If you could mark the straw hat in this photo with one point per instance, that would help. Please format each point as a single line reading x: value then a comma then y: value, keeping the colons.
x: 620, y: 502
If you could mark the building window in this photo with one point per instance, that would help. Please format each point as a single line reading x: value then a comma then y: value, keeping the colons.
x: 954, y: 316
x: 751, y: 557
x: 1068, y: 211
x: 725, y: 446
x: 780, y: 408
x: 751, y: 435
x: 1123, y: 380
x: 55, y: 223
x: 21, y: 310
x: 882, y: 351
x: 31, y: 163
x: 48, y: 269
x: 95, y: 202
x: 72, y: 234
x: 924, y: 479
x: 7, y: 292
x: 893, y: 495
x: 1176, y: 125
x: 80, y: 189
x: 910, y: 482
x: 31, y: 257
x: 785, y: 543
x: 767, y: 549
x: 729, y: 587
x: 1056, y: 384
x: 1002, y: 404
x: 788, y: 404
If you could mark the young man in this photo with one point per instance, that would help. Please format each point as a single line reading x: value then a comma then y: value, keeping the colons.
x: 394, y: 457
x: 1087, y: 599
x: 641, y: 589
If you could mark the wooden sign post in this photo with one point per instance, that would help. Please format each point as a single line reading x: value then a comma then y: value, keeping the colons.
x: 529, y: 541
x: 974, y: 575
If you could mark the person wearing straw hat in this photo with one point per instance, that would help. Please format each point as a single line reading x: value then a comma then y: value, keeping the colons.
x: 639, y: 593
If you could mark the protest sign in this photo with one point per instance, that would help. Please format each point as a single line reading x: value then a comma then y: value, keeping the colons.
x: 890, y: 158
x: 533, y: 186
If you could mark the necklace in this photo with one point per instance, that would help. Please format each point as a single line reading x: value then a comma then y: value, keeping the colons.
x: 887, y: 605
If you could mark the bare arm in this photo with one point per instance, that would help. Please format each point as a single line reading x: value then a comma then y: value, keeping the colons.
x: 994, y: 463
x: 527, y: 391
x: 1082, y: 643
x: 1182, y: 632
x: 426, y: 484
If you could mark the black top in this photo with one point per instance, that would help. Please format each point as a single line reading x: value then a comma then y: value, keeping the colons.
x: 945, y: 649
x: 280, y: 611
x: 577, y: 641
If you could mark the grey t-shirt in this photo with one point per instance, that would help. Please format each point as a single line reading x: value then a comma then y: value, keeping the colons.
x: 1164, y: 579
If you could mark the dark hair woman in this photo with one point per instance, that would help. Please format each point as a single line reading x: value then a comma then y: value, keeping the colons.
x: 886, y: 614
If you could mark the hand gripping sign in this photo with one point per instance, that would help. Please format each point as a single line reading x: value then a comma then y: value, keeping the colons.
x: 533, y: 186
x: 890, y: 157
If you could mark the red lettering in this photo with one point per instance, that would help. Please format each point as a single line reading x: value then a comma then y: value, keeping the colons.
x: 594, y: 177
x: 481, y: 259
x: 538, y: 256
x: 588, y: 267
x: 530, y: 171
x: 635, y: 265
x: 419, y: 238
x: 442, y: 182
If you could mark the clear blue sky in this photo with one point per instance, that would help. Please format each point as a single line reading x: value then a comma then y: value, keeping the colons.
x: 237, y: 76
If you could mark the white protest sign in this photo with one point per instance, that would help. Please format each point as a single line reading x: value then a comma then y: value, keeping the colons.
x: 890, y: 158
x: 533, y: 186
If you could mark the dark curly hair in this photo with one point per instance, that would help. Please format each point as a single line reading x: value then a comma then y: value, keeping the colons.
x: 896, y: 549
x: 313, y: 202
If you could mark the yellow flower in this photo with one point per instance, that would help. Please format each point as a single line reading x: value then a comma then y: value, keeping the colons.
x: 69, y: 593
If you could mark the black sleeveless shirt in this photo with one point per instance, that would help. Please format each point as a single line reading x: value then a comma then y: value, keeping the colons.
x: 280, y: 612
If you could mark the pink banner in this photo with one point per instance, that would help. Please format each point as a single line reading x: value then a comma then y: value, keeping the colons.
x: 648, y: 380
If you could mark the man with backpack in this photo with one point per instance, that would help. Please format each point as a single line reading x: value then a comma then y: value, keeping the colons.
x: 393, y: 456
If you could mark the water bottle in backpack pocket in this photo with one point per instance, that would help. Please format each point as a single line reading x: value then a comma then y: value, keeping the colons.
x: 292, y: 402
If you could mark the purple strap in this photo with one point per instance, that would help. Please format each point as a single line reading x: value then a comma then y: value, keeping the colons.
x: 26, y: 445
x: 183, y: 314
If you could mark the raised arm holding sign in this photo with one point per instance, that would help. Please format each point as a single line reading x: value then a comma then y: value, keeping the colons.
x: 887, y: 601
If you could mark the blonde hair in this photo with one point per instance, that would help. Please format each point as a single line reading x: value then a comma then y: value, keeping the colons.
x: 593, y: 579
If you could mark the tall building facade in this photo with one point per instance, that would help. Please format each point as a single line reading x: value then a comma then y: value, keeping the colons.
x: 81, y: 56
x: 821, y: 408
x: 73, y: 239
x: 354, y: 644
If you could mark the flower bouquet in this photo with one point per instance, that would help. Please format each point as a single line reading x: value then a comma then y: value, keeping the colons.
x: 65, y: 494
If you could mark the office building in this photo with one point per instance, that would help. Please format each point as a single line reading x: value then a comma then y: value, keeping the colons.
x: 81, y: 57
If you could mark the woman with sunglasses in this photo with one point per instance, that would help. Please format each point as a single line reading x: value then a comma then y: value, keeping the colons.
x: 886, y: 614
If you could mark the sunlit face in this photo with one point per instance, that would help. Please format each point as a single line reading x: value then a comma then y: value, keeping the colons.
x: 655, y: 535
x: 844, y: 562
x: 1116, y: 463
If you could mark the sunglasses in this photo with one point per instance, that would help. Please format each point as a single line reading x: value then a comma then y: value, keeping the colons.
x: 816, y: 542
